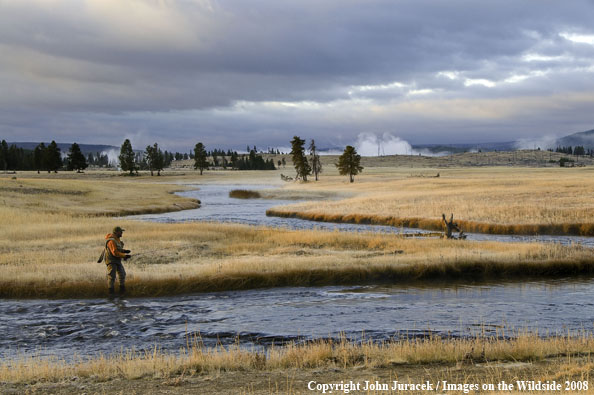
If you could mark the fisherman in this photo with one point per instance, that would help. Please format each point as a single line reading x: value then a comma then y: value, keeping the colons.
x: 114, y: 253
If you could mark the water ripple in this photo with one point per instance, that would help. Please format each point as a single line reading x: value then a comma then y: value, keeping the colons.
x: 292, y: 314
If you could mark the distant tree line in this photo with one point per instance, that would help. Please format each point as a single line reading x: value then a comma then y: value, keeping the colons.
x: 253, y: 161
x: 13, y: 158
x: 49, y: 158
x: 578, y: 150
x: 155, y: 160
x: 98, y: 159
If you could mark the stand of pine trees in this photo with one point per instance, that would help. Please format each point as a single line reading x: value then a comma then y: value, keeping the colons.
x: 253, y: 161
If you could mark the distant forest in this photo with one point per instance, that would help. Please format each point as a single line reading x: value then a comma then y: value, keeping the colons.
x: 578, y: 150
x: 50, y: 158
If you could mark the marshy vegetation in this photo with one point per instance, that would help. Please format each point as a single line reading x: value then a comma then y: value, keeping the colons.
x: 53, y: 232
x: 244, y: 194
x: 494, y: 200
x: 550, y: 358
x: 51, y: 241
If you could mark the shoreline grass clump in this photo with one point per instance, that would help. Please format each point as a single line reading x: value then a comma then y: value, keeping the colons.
x: 569, y: 229
x: 244, y: 194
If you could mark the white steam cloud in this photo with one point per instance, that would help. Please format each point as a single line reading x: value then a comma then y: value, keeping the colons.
x: 112, y: 157
x: 368, y: 144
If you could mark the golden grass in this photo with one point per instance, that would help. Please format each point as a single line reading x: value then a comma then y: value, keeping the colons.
x: 55, y: 255
x: 96, y: 196
x: 486, y: 200
x: 342, y: 354
x: 573, y: 229
x: 49, y: 248
x: 53, y: 232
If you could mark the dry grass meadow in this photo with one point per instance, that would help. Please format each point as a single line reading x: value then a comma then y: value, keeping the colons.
x: 289, y: 369
x: 54, y: 225
x: 495, y: 200
x: 54, y: 231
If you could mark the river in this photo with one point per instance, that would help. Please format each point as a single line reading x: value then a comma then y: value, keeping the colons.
x: 258, y: 318
x: 217, y: 206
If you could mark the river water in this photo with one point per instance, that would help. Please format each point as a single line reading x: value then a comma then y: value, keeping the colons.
x: 258, y: 318
x: 217, y: 206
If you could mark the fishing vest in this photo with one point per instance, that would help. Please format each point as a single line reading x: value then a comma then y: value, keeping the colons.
x: 109, y: 257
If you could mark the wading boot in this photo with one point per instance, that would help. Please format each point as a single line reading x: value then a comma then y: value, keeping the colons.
x: 111, y: 292
x: 122, y: 289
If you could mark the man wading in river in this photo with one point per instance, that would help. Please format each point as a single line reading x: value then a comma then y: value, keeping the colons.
x: 113, y: 253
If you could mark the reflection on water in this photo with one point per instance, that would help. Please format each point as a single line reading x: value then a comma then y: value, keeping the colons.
x: 261, y: 317
x: 219, y: 207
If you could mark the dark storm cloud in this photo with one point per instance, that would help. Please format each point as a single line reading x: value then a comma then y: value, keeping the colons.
x: 243, y: 71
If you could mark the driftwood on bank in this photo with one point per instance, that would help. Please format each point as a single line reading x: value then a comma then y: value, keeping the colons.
x: 451, y: 226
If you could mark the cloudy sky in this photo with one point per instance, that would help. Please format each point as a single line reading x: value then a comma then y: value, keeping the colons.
x: 235, y: 72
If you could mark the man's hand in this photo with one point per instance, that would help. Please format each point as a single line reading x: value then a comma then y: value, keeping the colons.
x: 127, y: 257
x: 126, y: 251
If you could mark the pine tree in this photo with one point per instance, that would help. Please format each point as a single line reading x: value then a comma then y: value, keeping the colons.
x: 316, y: 164
x: 349, y: 163
x: 4, y: 155
x: 39, y: 157
x: 127, y: 157
x: 299, y: 160
x: 234, y: 159
x: 76, y: 159
x: 200, y: 156
x: 53, y: 158
x: 155, y: 159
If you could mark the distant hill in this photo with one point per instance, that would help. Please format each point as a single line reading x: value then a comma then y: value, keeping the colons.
x: 64, y: 147
x: 466, y: 147
x: 585, y: 139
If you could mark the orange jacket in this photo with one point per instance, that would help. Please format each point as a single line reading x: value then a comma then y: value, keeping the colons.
x: 113, y: 246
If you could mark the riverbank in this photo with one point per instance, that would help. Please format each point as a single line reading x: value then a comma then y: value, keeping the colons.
x: 52, y: 235
x: 521, y: 201
x: 564, y: 229
x: 54, y: 231
x: 297, y: 368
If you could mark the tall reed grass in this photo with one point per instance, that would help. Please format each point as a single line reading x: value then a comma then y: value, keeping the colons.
x: 343, y: 354
x: 496, y: 201
x: 572, y: 229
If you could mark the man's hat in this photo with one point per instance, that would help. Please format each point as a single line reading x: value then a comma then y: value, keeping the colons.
x: 117, y: 229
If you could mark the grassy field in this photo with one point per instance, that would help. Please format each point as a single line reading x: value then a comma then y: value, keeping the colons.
x: 487, y: 200
x: 53, y: 229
